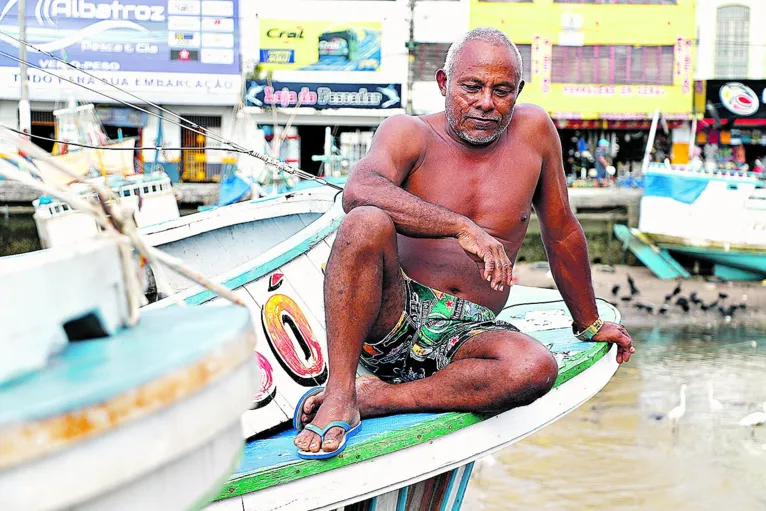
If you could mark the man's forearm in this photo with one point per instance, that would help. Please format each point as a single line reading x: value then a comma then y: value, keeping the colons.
x: 570, y: 267
x: 412, y: 215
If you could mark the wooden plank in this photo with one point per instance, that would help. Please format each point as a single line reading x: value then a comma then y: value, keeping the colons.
x: 387, y: 501
x: 462, y: 488
x: 452, y: 489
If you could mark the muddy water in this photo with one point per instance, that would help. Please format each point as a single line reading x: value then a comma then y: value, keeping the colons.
x: 618, y: 452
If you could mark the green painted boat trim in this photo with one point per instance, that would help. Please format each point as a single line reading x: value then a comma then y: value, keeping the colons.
x: 442, y: 424
x: 259, y: 271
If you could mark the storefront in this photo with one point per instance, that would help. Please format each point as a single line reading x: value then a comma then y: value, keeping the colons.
x: 323, y: 85
x: 732, y: 134
x: 350, y: 111
x: 183, y: 55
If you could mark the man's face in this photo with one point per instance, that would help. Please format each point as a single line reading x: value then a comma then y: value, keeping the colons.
x: 481, y: 93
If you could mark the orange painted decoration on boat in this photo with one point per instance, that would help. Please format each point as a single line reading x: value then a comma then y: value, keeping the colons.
x: 307, y: 368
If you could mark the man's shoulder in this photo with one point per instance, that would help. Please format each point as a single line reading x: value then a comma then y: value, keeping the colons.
x: 406, y: 123
x: 530, y: 113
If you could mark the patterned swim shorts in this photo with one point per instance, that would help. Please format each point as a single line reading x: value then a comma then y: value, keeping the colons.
x: 433, y: 326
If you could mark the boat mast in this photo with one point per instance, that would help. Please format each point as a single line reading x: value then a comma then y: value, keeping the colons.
x: 650, y: 142
x: 25, y: 115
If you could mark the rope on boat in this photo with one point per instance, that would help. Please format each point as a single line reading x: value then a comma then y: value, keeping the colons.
x: 196, y: 128
x: 111, y: 217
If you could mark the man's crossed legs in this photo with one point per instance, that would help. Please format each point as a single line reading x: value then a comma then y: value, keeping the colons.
x: 365, y: 294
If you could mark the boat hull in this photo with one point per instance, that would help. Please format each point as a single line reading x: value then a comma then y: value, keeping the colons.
x: 282, y: 285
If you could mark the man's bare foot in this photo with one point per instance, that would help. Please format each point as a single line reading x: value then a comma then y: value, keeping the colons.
x: 366, y: 387
x: 331, y: 409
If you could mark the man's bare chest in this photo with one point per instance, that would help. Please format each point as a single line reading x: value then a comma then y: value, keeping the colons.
x: 496, y: 195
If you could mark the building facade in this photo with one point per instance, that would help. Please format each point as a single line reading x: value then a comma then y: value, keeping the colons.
x: 732, y: 39
x: 331, y: 69
x: 601, y: 68
x: 731, y: 87
x: 182, y: 55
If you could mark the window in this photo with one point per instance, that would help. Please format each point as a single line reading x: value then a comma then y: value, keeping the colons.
x: 652, y: 65
x: 126, y: 193
x: 732, y: 41
x: 429, y: 57
x: 639, y: 2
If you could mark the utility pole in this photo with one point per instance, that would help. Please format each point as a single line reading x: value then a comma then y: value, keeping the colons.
x: 411, y: 44
x: 25, y: 115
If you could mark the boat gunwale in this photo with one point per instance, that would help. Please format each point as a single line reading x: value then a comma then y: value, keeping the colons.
x: 231, y: 215
x: 282, y: 253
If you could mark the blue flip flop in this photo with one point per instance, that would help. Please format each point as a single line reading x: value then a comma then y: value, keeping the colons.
x: 299, y: 407
x: 322, y: 455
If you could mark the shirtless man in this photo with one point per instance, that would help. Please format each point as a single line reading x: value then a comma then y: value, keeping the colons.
x: 421, y: 264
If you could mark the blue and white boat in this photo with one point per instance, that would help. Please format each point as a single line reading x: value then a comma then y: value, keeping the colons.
x: 718, y: 218
x: 103, y: 406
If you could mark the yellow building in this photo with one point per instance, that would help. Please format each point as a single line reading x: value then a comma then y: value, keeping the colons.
x: 601, y: 59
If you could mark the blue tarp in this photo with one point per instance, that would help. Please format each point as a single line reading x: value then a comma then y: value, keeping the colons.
x: 682, y: 189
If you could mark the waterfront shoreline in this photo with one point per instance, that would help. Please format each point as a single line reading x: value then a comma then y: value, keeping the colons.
x: 652, y: 292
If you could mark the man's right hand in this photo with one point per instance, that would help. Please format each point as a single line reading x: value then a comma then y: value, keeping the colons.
x: 490, y: 255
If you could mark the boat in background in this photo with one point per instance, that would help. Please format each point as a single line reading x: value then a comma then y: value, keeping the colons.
x: 272, y: 253
x: 718, y: 218
x: 149, y: 195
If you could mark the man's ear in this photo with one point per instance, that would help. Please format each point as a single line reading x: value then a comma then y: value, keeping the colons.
x: 441, y: 79
x: 521, y: 87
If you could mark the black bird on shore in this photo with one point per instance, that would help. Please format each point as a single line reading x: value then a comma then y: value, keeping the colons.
x: 723, y: 296
x: 677, y: 289
x: 633, y: 289
x: 615, y: 289
x: 683, y: 303
x: 729, y: 311
x: 644, y: 307
x: 664, y: 309
x: 693, y: 298
x: 626, y: 298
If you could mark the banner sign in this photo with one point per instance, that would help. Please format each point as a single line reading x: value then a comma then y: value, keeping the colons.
x: 320, y: 45
x: 169, y: 50
x: 322, y: 95
x: 734, y: 99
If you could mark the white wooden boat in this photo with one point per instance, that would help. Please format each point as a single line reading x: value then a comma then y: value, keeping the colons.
x: 272, y: 253
x: 148, y: 195
x: 98, y: 414
x: 715, y: 217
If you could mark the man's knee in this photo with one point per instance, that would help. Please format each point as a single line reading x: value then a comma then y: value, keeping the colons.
x: 531, y: 372
x: 366, y: 224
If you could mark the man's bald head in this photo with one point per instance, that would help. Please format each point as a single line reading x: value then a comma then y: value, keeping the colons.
x: 490, y: 35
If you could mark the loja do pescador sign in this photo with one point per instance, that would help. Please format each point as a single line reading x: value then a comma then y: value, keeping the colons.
x: 321, y: 95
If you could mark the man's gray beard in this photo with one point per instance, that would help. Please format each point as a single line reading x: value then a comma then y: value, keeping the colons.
x: 486, y: 139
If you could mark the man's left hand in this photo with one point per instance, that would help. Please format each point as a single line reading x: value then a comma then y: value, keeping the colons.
x: 616, y: 333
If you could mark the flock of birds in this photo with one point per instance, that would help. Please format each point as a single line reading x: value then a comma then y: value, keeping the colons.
x: 751, y: 421
x: 675, y: 299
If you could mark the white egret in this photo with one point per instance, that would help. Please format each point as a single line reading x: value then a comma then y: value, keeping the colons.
x: 754, y: 420
x: 676, y: 413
